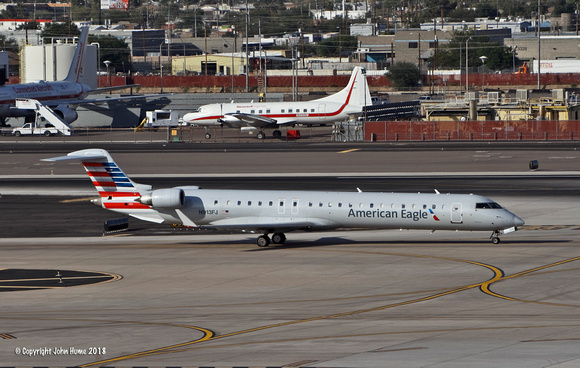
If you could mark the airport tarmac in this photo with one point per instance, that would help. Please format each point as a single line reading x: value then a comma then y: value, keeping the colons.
x: 335, y: 299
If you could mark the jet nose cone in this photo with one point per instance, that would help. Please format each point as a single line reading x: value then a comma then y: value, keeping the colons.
x: 518, y: 221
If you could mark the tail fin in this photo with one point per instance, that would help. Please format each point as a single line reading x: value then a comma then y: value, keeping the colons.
x: 355, y: 94
x: 117, y: 192
x: 76, y: 71
x: 109, y: 180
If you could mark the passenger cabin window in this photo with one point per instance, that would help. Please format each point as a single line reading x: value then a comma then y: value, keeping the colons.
x: 289, y: 110
x: 260, y: 203
x: 309, y: 204
x: 267, y: 111
x: 239, y: 203
x: 270, y: 203
x: 283, y: 110
x: 249, y: 203
x: 305, y: 110
x: 434, y: 206
x: 259, y: 111
x: 339, y: 204
x: 487, y: 205
x: 372, y: 205
x: 311, y: 110
x: 238, y: 111
x: 253, y: 111
x: 402, y: 206
x: 215, y: 202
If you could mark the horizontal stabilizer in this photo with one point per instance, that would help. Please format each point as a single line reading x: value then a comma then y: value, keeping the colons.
x: 73, y: 157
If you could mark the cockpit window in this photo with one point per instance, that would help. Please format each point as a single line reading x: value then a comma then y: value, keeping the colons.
x: 487, y: 205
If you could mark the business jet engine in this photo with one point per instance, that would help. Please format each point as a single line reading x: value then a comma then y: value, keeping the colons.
x: 66, y: 114
x: 164, y: 198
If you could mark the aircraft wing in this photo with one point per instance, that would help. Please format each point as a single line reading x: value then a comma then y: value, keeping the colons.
x: 284, y: 121
x: 97, y: 101
x: 259, y: 225
x: 257, y: 121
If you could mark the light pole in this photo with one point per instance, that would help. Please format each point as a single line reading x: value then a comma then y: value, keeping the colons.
x: 161, y: 65
x: 98, y: 63
x: 108, y: 65
x: 483, y: 58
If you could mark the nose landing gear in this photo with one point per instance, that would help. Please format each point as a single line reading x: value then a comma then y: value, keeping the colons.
x: 495, y: 237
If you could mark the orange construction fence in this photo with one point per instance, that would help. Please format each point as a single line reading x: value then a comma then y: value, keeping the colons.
x: 472, y: 130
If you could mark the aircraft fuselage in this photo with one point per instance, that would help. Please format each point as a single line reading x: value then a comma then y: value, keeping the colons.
x: 50, y: 93
x: 337, y: 209
x: 313, y: 112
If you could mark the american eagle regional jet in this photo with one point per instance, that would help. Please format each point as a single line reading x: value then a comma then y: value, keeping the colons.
x: 62, y: 97
x: 278, y: 212
x: 340, y: 106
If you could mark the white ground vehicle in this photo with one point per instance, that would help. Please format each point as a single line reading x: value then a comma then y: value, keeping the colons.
x: 31, y: 128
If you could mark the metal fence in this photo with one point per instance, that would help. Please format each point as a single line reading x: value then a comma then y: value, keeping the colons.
x: 472, y: 130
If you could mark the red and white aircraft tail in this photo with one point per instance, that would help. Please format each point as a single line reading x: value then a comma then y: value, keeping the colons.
x: 356, y: 94
x: 116, y: 191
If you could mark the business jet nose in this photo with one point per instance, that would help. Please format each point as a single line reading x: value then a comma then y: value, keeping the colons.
x: 517, y: 221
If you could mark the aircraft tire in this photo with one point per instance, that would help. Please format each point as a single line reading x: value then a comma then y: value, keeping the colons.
x: 261, y: 135
x: 495, y: 240
x: 207, y: 136
x: 278, y: 238
x: 263, y: 241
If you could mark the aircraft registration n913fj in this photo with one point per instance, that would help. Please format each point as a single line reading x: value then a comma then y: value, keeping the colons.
x: 277, y: 212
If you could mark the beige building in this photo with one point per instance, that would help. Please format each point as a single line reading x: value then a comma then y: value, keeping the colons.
x: 552, y: 47
x: 210, y: 64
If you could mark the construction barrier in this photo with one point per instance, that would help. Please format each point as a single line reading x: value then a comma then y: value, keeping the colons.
x: 472, y: 130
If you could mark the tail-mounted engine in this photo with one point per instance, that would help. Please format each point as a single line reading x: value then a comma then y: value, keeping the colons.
x: 164, y: 198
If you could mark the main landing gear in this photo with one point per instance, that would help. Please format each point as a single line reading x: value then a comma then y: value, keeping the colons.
x: 264, y: 240
x: 276, y: 134
x: 495, y: 237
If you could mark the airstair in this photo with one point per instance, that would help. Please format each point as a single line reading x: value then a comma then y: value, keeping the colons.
x: 43, y: 111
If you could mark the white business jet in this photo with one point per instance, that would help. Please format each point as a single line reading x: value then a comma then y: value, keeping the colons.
x: 61, y: 97
x: 277, y: 212
x: 340, y: 106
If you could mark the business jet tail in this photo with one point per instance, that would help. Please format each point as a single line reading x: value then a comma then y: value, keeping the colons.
x: 76, y: 71
x: 356, y: 94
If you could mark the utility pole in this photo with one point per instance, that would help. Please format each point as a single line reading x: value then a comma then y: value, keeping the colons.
x: 247, y: 61
x: 539, y: 45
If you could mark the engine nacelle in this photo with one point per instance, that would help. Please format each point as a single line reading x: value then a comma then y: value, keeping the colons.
x: 164, y: 198
x: 67, y: 114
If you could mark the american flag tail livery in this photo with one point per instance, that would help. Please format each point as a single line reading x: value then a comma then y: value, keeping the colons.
x: 117, y: 192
